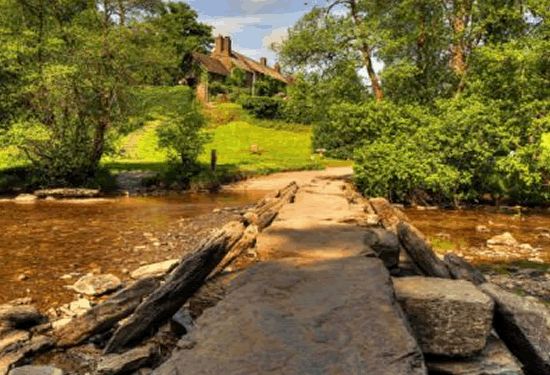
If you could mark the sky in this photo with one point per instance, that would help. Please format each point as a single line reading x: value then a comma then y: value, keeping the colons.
x: 253, y: 24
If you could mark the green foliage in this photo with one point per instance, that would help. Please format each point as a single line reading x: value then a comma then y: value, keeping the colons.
x: 263, y: 107
x: 183, y: 137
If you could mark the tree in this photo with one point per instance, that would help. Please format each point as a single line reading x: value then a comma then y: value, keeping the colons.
x: 344, y: 30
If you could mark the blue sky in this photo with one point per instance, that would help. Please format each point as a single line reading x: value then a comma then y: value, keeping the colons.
x: 252, y: 24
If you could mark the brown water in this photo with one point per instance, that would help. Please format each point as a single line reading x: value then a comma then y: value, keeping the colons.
x: 47, y: 240
x: 455, y: 230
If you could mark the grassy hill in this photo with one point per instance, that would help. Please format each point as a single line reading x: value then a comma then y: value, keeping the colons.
x: 243, y: 144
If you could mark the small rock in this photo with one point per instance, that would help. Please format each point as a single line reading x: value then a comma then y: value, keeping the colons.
x: 482, y: 229
x: 36, y: 370
x: 22, y: 277
x: 127, y: 362
x: 155, y: 270
x: 26, y: 198
x: 450, y: 318
x: 183, y: 320
x: 92, y: 285
x: 60, y: 323
x: 505, y: 239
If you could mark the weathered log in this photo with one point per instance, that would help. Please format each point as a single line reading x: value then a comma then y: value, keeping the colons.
x: 462, y: 270
x: 524, y: 326
x: 105, y: 315
x: 37, y: 344
x: 389, y: 215
x: 20, y: 315
x: 421, y: 252
x: 247, y: 241
x: 182, y: 283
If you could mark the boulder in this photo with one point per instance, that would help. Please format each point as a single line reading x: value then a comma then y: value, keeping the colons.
x: 155, y: 270
x: 26, y: 198
x: 36, y: 370
x: 20, y: 315
x: 385, y: 244
x: 450, y: 318
x: 127, y: 362
x: 462, y: 270
x: 524, y: 325
x: 495, y: 359
x: 96, y: 285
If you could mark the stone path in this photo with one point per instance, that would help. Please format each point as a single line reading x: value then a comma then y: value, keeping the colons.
x: 318, y: 303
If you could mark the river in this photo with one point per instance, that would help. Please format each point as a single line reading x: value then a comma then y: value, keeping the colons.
x: 46, y: 246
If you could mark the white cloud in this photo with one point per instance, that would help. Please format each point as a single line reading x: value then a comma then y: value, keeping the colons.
x: 231, y: 25
x: 275, y: 37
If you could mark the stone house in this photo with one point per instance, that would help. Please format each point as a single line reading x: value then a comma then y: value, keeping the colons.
x: 223, y: 60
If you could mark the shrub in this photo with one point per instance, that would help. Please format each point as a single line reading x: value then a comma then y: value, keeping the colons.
x: 465, y: 148
x: 262, y: 107
x: 349, y: 126
x: 184, y: 138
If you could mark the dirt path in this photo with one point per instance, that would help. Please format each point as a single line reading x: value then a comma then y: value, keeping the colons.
x: 319, y: 303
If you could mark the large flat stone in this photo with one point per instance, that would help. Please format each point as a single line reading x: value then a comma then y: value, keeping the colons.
x: 299, y: 316
x: 449, y: 317
x: 524, y: 325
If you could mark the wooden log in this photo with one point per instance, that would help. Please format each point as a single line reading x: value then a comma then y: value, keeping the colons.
x: 462, y: 270
x: 389, y: 215
x: 247, y: 241
x: 182, y: 283
x: 105, y: 315
x: 421, y: 252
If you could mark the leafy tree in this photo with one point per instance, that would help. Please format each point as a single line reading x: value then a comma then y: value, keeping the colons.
x: 184, y: 137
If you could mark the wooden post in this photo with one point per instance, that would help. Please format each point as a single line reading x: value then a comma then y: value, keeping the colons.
x: 213, y: 160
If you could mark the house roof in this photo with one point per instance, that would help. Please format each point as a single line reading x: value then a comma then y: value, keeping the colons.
x: 257, y: 67
x: 211, y: 64
x: 214, y: 65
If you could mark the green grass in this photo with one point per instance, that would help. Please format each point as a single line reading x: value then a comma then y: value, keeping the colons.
x: 234, y: 134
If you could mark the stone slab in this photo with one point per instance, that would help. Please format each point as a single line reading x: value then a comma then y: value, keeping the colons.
x: 297, y: 316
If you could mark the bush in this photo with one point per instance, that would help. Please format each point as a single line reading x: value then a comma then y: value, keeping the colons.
x: 347, y: 126
x: 184, y: 138
x: 464, y: 149
x: 262, y: 107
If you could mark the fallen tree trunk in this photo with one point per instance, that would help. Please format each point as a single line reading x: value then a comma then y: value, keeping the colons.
x: 389, y: 215
x: 105, y: 315
x: 181, y: 284
x: 421, y: 251
x: 264, y: 214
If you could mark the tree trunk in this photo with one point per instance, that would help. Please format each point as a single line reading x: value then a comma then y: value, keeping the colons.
x: 366, y: 54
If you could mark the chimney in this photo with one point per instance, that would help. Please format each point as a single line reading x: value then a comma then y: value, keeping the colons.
x: 227, y: 46
x: 218, y: 47
x: 277, y: 67
x: 263, y: 61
